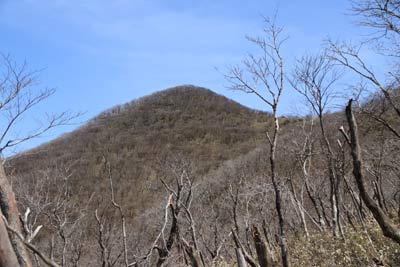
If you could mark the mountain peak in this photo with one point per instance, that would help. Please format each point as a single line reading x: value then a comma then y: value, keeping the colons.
x: 179, y: 97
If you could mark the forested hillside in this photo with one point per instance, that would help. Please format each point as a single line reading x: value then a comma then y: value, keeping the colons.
x: 187, y: 177
x: 138, y: 138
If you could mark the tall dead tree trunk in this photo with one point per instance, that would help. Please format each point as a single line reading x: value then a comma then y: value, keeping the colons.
x: 264, y: 76
x: 8, y: 258
x: 9, y: 209
x: 388, y: 229
x: 332, y: 177
x: 278, y: 194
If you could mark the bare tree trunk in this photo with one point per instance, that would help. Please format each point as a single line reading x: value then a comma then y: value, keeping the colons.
x: 388, y: 229
x: 8, y: 258
x: 278, y: 196
x: 338, y: 186
x: 9, y: 209
x: 240, y: 258
x: 332, y: 177
x: 315, y: 204
x: 173, y: 235
x: 324, y: 213
x: 267, y: 72
x: 263, y: 253
x: 248, y: 258
x: 313, y: 78
x: 193, y: 253
x: 299, y: 208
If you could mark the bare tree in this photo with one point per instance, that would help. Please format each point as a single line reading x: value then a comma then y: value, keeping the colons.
x: 18, y: 95
x: 264, y: 76
x: 8, y: 256
x: 388, y: 228
x: 107, y: 230
x: 348, y: 55
x: 314, y: 77
x: 47, y: 197
x: 10, y: 217
x: 305, y: 155
x: 383, y: 16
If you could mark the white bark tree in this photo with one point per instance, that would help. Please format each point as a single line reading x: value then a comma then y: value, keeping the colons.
x: 264, y: 76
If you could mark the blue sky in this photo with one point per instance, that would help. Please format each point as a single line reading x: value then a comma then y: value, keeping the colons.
x: 102, y: 53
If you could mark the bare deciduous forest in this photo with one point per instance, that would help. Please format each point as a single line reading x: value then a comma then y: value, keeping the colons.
x: 187, y: 177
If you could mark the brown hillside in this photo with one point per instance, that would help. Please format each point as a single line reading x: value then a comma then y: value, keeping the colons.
x: 137, y: 137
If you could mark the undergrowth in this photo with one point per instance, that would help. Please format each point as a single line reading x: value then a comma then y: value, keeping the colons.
x: 356, y: 249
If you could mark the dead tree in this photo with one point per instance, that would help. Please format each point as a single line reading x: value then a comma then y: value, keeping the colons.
x: 10, y: 216
x: 107, y: 229
x: 263, y: 253
x: 264, y: 76
x: 178, y: 219
x: 244, y: 256
x: 349, y: 56
x: 383, y: 18
x: 388, y: 228
x: 193, y: 253
x: 298, y: 204
x: 46, y: 198
x: 314, y: 77
x: 240, y: 258
x: 65, y: 221
x: 305, y: 154
x: 7, y: 253
x: 27, y: 241
x: 181, y: 201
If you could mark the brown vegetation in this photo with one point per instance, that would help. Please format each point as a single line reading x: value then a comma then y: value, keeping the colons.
x: 186, y: 177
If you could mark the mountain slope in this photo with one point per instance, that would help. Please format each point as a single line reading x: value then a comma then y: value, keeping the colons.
x: 138, y: 137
